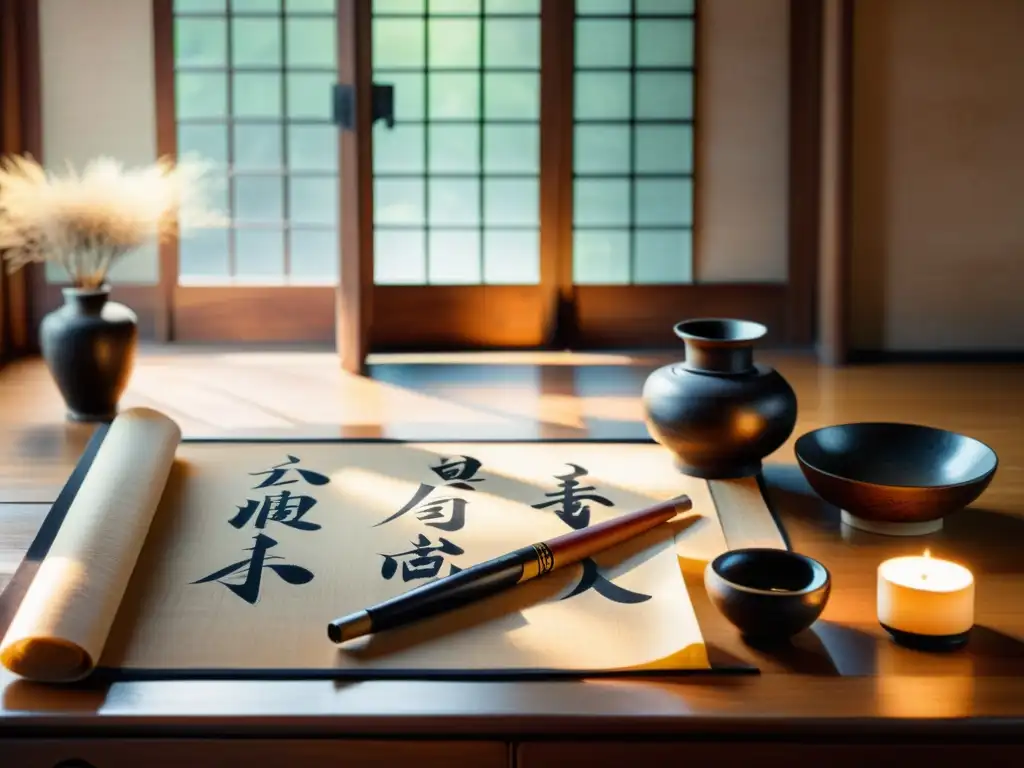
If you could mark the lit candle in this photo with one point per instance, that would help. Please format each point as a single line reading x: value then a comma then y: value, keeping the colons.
x: 925, y: 602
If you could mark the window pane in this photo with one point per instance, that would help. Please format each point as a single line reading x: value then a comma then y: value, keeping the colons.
x: 399, y: 201
x: 313, y: 148
x: 200, y: 42
x: 601, y: 149
x: 256, y: 42
x: 601, y: 257
x: 208, y: 142
x: 514, y: 96
x: 454, y: 149
x: 255, y: 6
x: 602, y: 96
x: 258, y: 148
x: 216, y: 197
x: 398, y: 43
x: 200, y: 6
x: 410, y: 93
x: 313, y: 200
x: 454, y: 42
x: 398, y: 150
x: 662, y: 256
x: 309, y: 6
x: 454, y: 202
x: 664, y: 202
x: 416, y: 7
x: 511, y: 201
x: 601, y: 202
x: 455, y: 6
x: 454, y: 257
x: 311, y: 42
x: 399, y: 258
x: 511, y: 148
x: 310, y: 96
x: 512, y: 43
x: 664, y: 6
x: 454, y: 96
x: 511, y: 257
x: 203, y: 254
x: 259, y: 199
x: 603, y: 43
x: 664, y: 149
x: 664, y: 95
x: 256, y: 95
x: 497, y: 7
x: 259, y: 254
x: 201, y: 95
x: 664, y: 43
x: 620, y: 7
x: 313, y: 255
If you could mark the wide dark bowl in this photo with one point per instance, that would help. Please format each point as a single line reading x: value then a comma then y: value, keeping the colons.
x: 768, y: 594
x: 895, y: 473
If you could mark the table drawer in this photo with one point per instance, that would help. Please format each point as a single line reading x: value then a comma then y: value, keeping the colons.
x: 600, y: 754
x: 256, y: 753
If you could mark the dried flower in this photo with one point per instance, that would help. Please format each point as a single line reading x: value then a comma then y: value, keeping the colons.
x: 87, y: 222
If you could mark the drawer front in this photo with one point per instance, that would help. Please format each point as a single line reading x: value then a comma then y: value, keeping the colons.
x: 252, y: 753
x: 598, y: 754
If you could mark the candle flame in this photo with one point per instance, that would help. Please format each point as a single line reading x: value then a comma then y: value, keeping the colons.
x: 927, y: 553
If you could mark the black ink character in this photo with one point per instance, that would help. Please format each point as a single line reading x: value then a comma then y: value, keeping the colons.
x: 576, y: 515
x: 592, y: 578
x: 449, y: 511
x: 422, y: 564
x: 571, y: 497
x: 276, y: 473
x: 459, y: 472
x: 285, y: 508
x: 249, y: 590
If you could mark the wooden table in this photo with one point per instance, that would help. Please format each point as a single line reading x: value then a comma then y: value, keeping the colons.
x: 842, y: 692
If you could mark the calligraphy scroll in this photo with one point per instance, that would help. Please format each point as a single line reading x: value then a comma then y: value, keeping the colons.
x: 254, y: 546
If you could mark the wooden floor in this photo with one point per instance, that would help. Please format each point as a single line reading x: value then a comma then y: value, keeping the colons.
x: 218, y: 392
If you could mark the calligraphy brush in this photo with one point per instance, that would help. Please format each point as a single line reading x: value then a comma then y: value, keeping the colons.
x: 502, y: 572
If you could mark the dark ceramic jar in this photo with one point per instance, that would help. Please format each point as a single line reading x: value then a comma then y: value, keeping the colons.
x: 89, y: 346
x: 718, y: 411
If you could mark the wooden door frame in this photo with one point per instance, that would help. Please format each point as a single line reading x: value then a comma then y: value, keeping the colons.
x: 455, y: 317
x: 561, y: 314
x: 642, y: 316
x: 335, y: 315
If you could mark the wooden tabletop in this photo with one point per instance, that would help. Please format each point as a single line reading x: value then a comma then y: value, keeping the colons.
x: 842, y: 676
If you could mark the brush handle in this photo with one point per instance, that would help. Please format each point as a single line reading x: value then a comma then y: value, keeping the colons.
x: 503, y: 572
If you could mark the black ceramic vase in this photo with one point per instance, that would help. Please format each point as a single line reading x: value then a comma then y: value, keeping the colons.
x: 89, y: 346
x: 718, y: 411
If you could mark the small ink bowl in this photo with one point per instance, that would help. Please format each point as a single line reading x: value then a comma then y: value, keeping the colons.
x: 768, y: 594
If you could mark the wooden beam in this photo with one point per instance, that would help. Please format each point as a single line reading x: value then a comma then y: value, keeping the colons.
x: 166, y: 145
x: 354, y: 293
x: 836, y: 141
x: 557, y: 25
x: 21, y: 134
x: 805, y: 83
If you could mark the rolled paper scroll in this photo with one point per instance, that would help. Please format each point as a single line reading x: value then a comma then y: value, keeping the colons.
x: 61, y: 626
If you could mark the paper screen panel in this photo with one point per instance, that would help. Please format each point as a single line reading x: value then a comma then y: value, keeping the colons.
x: 332, y: 558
